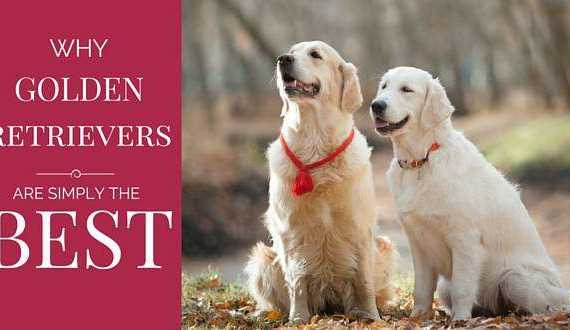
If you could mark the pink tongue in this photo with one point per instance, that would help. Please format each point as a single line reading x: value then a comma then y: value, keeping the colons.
x: 297, y: 84
x: 381, y: 123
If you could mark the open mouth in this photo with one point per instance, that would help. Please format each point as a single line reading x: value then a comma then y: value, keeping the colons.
x: 384, y: 127
x: 294, y: 87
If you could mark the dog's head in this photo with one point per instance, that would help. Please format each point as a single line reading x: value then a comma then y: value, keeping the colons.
x: 313, y: 75
x: 409, y: 97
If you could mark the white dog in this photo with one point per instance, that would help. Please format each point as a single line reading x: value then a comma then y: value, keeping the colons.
x: 465, y: 222
x: 324, y: 256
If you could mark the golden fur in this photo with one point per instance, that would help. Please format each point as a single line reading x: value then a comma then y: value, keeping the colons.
x: 324, y: 256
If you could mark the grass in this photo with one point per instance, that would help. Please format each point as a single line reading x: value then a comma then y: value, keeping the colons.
x: 209, y: 303
x: 537, y: 149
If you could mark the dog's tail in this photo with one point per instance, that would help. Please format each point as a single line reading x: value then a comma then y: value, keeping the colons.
x: 534, y: 289
x: 385, y: 269
x: 265, y: 279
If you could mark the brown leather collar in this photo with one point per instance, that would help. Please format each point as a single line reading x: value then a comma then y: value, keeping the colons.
x: 417, y: 163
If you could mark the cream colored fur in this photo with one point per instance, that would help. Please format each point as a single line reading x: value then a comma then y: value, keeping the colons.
x: 465, y: 222
x: 324, y: 255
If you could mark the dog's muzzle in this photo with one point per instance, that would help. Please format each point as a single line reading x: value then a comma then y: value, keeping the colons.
x: 378, y: 111
x: 293, y: 86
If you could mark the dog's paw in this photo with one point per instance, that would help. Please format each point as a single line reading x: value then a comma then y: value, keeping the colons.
x: 360, y: 314
x: 298, y: 318
x: 385, y: 299
x: 421, y: 314
x: 388, y: 306
x: 460, y: 316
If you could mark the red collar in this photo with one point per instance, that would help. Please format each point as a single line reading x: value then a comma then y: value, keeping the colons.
x: 417, y: 163
x: 304, y: 182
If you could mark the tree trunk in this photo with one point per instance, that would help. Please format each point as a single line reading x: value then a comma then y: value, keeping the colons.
x: 196, y: 50
x: 251, y: 28
x: 556, y: 12
x: 535, y: 77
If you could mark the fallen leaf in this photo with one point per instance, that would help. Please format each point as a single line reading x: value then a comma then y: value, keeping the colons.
x: 222, y: 305
x: 213, y: 281
x: 510, y: 319
x: 247, y: 309
x: 315, y: 319
x: 557, y: 317
x: 489, y: 321
x: 274, y: 315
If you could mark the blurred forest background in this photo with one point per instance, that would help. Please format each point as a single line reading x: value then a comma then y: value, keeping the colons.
x: 504, y: 63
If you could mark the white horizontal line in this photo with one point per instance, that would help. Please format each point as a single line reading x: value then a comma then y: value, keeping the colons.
x: 76, y: 174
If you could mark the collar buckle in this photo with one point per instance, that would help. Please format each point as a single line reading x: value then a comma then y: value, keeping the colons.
x: 417, y: 163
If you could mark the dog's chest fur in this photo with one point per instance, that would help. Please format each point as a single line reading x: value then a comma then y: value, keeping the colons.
x: 421, y: 209
x: 320, y: 229
x: 320, y: 233
x: 413, y: 189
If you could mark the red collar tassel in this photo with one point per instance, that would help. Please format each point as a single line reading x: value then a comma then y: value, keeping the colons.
x: 303, y: 182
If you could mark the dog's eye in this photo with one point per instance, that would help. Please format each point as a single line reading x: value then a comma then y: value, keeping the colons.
x: 384, y: 85
x: 315, y: 54
x: 406, y: 89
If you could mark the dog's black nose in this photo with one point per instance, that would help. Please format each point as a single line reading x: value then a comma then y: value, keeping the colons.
x: 378, y: 107
x: 285, y: 59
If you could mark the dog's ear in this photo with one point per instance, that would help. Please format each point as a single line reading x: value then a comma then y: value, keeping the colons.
x: 350, y: 96
x: 285, y: 106
x: 282, y: 94
x: 437, y: 107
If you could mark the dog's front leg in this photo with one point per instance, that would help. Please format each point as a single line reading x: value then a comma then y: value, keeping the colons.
x: 364, y: 306
x: 298, y: 295
x: 425, y: 282
x: 467, y: 256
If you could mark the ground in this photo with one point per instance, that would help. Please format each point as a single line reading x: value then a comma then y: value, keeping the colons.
x: 210, y: 303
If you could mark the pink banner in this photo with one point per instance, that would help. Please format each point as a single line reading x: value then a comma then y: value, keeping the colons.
x: 90, y: 165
